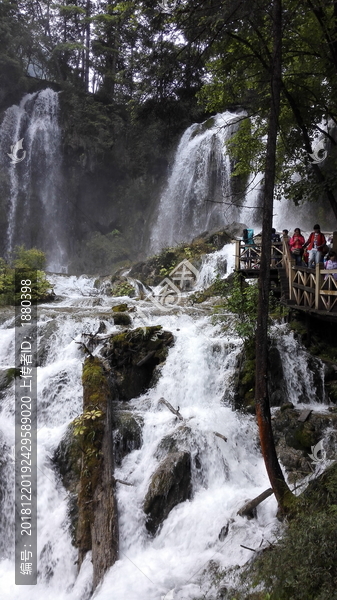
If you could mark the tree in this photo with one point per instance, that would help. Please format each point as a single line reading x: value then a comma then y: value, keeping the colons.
x: 276, y: 477
x: 239, y: 56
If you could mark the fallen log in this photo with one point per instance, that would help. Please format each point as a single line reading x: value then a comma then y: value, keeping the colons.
x: 170, y: 407
x: 247, y: 548
x: 247, y: 508
x: 223, y: 437
x: 123, y: 482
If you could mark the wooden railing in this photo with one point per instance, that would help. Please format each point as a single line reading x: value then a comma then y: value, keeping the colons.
x: 313, y: 289
x: 248, y: 256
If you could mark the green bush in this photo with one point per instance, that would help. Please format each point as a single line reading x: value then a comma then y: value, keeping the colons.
x: 28, y: 259
x: 32, y: 260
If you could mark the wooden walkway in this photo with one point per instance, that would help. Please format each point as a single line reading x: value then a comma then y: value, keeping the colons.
x: 309, y: 290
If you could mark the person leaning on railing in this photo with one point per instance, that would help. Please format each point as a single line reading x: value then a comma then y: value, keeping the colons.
x: 331, y: 263
x: 315, y: 244
x: 296, y: 244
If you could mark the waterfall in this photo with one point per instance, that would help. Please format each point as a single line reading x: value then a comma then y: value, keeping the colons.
x: 197, y: 376
x: 218, y: 264
x: 303, y: 373
x: 199, y: 195
x: 32, y: 187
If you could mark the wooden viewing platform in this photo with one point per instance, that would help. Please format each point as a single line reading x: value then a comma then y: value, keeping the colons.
x: 309, y: 290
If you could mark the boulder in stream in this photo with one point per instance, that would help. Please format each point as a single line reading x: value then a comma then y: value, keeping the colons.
x: 170, y: 484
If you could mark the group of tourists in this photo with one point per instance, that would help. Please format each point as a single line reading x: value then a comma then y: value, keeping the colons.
x: 313, y: 251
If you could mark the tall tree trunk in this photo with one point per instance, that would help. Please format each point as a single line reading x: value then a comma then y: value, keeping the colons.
x: 277, y: 481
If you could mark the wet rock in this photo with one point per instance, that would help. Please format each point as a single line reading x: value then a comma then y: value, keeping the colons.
x: 67, y: 459
x: 294, y: 439
x: 223, y: 532
x: 178, y: 441
x: 120, y: 308
x: 127, y: 435
x: 123, y: 319
x: 170, y: 485
x: 133, y: 357
x: 97, y: 302
x: 286, y: 406
x: 7, y: 376
x: 156, y: 268
x: 276, y: 384
x: 45, y: 341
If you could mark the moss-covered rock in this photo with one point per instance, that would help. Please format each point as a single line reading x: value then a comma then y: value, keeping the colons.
x: 133, y: 356
x: 170, y: 485
x: 122, y: 318
x: 121, y: 287
x: 127, y: 435
x: 120, y: 308
x: 7, y: 376
x: 245, y: 379
x: 155, y: 269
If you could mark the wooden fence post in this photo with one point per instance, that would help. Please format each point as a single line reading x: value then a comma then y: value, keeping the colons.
x: 318, y: 285
x: 237, y: 254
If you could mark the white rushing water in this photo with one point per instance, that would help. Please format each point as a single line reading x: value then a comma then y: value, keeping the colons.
x: 199, y: 194
x: 197, y: 376
x: 36, y: 211
x: 220, y: 263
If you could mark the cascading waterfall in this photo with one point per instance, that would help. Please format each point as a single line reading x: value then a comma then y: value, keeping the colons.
x: 37, y: 214
x: 197, y: 376
x: 199, y: 195
x: 303, y: 373
x: 220, y: 263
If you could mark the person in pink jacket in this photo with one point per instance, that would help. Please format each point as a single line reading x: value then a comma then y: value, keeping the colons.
x: 315, y: 244
x: 296, y: 244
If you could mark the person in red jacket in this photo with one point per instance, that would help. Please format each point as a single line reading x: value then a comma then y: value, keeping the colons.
x: 296, y: 244
x: 315, y: 244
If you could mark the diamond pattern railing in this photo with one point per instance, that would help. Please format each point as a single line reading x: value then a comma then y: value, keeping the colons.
x: 314, y: 289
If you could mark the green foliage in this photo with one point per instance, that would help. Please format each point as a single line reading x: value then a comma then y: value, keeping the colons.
x: 239, y: 64
x: 28, y: 259
x: 247, y: 147
x: 302, y: 564
x: 32, y: 261
x: 81, y: 425
x: 242, y: 303
x: 123, y: 289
